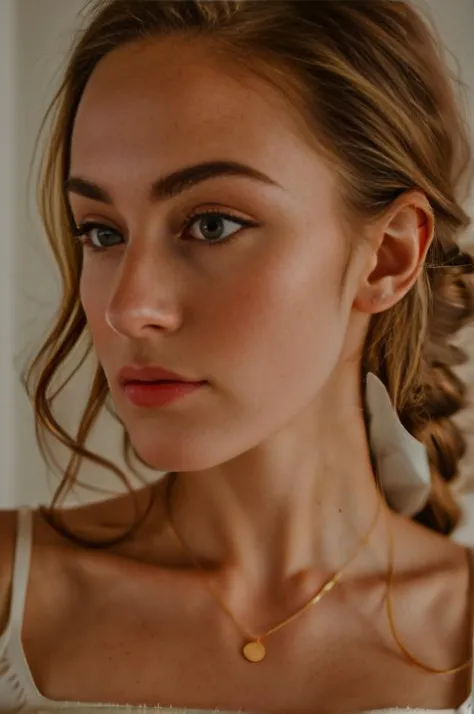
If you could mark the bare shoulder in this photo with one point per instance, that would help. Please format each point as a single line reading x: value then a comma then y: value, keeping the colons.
x: 433, y: 597
x: 104, y: 520
x: 8, y: 540
x: 439, y: 557
x: 54, y: 552
x: 59, y: 562
x: 8, y: 528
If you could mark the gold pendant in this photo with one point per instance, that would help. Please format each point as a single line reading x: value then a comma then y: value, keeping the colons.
x: 254, y: 651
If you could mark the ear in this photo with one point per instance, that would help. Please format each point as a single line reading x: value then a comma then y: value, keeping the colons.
x: 398, y: 246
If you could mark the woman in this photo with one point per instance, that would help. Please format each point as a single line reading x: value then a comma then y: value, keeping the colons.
x: 307, y: 354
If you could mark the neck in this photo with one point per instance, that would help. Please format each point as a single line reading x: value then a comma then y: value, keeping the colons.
x: 301, y: 500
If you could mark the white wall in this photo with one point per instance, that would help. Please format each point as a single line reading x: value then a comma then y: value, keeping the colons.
x: 44, y: 33
x: 34, y: 36
x: 8, y: 220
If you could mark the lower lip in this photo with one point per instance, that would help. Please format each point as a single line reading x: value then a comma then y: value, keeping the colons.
x: 158, y: 394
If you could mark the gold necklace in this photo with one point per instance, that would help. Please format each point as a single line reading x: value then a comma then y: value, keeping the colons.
x: 254, y: 650
x: 388, y: 602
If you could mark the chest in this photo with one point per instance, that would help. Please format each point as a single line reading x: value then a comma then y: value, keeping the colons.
x: 134, y: 643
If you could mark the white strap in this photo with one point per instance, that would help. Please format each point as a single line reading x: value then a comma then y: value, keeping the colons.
x: 21, y: 567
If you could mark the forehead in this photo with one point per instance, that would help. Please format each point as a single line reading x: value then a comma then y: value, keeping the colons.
x: 166, y: 87
x: 158, y: 105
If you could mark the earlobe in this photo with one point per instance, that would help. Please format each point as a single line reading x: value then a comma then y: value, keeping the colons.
x: 381, y: 298
x: 375, y: 298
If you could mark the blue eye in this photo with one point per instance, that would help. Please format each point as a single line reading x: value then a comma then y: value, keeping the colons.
x: 99, y: 237
x: 96, y: 236
x: 212, y: 224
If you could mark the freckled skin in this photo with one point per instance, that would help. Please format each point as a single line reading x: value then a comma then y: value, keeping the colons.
x: 250, y: 317
x: 278, y: 430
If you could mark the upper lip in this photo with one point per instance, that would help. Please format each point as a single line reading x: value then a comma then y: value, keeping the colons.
x: 151, y: 374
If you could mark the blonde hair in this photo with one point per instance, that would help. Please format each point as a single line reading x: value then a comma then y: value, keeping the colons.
x: 371, y: 81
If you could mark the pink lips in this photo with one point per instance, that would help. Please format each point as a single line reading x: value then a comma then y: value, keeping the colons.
x: 155, y: 386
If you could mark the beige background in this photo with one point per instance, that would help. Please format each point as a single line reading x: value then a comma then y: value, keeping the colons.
x: 34, y: 37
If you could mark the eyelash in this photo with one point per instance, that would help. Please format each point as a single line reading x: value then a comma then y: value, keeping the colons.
x: 82, y: 230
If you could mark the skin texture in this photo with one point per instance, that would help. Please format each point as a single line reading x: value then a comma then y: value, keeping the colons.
x: 275, y: 485
x: 261, y: 319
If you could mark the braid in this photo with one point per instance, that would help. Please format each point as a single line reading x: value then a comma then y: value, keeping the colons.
x: 444, y: 393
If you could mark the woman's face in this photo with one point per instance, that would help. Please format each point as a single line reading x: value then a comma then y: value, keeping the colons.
x: 248, y: 300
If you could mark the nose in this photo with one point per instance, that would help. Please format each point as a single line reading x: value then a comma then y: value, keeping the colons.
x: 143, y: 299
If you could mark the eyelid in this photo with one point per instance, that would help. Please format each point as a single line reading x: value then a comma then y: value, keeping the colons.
x: 97, y: 223
x: 81, y: 234
x: 80, y: 230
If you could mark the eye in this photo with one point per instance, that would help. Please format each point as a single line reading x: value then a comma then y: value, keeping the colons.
x: 97, y: 236
x: 212, y: 227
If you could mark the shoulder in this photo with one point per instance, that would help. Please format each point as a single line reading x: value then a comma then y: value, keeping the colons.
x: 56, y: 558
x: 435, y: 558
x: 433, y: 596
x: 8, y: 530
x: 9, y: 521
x: 105, y: 520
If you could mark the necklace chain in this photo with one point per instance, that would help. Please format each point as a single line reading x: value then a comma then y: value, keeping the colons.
x: 324, y: 590
x: 389, y: 605
x: 255, y: 640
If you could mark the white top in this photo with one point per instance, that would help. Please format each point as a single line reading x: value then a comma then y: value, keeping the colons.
x: 18, y: 692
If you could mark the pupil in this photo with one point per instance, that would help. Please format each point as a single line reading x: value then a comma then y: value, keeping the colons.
x: 217, y: 227
x: 105, y: 235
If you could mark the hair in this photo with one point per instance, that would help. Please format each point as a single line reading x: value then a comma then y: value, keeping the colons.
x: 372, y: 83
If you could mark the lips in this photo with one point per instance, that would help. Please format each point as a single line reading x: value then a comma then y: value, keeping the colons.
x: 158, y: 393
x: 137, y: 374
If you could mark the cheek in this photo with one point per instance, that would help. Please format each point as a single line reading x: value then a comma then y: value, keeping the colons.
x: 284, y: 325
x: 266, y: 337
x: 93, y: 296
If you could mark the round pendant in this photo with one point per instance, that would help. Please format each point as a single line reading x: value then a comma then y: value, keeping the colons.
x: 254, y: 651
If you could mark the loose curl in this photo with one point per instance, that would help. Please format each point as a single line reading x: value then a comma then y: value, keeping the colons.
x: 371, y: 82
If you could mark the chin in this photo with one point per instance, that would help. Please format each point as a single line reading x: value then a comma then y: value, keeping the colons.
x: 174, y: 457
x: 189, y: 443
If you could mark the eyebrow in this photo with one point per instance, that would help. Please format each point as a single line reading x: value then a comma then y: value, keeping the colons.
x: 174, y: 183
